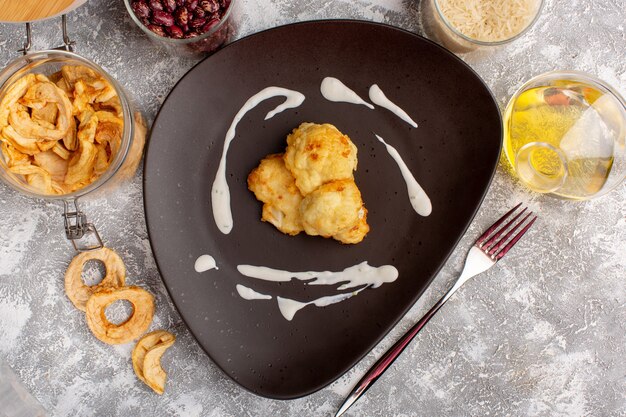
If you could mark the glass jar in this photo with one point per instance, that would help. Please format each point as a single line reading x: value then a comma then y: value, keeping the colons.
x: 438, y: 26
x: 124, y: 163
x: 565, y: 134
x: 207, y: 42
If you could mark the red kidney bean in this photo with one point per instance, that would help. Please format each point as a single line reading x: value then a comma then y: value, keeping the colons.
x: 209, y: 6
x: 157, y: 29
x: 170, y: 5
x: 175, y: 32
x: 210, y: 25
x: 192, y: 5
x: 156, y: 5
x: 141, y: 9
x: 162, y: 18
x: 182, y: 16
x: 199, y: 13
x: 198, y: 22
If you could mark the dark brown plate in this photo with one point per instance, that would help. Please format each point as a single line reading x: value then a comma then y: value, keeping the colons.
x: 453, y: 154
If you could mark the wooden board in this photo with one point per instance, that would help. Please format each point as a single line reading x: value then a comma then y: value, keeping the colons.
x: 31, y: 10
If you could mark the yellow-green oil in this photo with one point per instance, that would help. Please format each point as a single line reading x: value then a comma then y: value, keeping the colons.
x: 568, y: 149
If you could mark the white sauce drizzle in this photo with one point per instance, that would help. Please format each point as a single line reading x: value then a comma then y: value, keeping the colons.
x: 334, y: 90
x: 356, y: 275
x: 249, y: 294
x: 379, y: 98
x: 361, y: 275
x: 288, y: 307
x: 220, y: 194
x: 204, y: 263
x: 417, y: 196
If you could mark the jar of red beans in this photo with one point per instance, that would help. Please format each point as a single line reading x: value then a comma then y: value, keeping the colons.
x: 187, y: 26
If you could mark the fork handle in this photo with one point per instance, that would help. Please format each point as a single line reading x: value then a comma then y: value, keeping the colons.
x: 475, y: 263
x: 393, y: 352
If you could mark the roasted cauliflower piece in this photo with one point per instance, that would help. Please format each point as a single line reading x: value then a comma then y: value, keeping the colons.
x: 335, y: 210
x: 274, y: 185
x: 311, y: 187
x: 317, y: 154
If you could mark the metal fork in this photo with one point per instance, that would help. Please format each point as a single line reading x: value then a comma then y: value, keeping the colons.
x: 486, y: 252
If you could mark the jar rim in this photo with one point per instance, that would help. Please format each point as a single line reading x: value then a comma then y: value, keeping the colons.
x: 573, y: 75
x: 17, y: 68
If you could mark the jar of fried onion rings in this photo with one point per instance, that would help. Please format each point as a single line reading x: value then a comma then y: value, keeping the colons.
x: 67, y: 130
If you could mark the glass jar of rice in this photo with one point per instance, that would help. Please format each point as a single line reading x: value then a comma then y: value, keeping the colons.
x: 464, y: 25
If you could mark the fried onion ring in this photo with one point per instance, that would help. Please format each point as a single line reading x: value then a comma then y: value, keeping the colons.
x: 146, y: 358
x: 75, y: 288
x: 135, y: 326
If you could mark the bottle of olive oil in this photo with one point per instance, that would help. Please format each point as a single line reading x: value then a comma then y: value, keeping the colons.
x: 560, y: 138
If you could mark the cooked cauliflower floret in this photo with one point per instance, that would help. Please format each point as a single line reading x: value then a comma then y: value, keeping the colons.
x: 274, y: 185
x: 317, y: 154
x: 335, y: 210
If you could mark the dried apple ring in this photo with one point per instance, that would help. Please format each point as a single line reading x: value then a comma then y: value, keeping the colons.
x: 139, y: 321
x: 13, y: 94
x: 76, y: 289
x: 81, y: 164
x: 153, y: 373
x: 70, y: 140
x: 61, y: 150
x: 36, y: 177
x: 102, y: 160
x: 158, y: 339
x: 12, y: 156
x: 37, y: 97
x: 88, y: 126
x: 19, y: 142
x: 46, y: 114
x: 46, y: 145
x: 73, y: 73
x: 110, y: 127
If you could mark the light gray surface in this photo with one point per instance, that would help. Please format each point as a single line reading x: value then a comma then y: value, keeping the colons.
x: 544, y: 333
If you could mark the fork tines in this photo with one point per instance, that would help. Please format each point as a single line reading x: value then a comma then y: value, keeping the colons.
x: 496, y: 247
